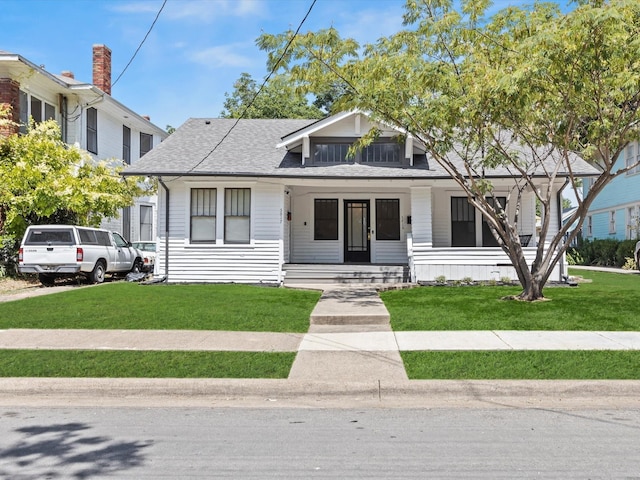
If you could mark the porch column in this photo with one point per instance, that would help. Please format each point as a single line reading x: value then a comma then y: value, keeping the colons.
x: 421, y: 216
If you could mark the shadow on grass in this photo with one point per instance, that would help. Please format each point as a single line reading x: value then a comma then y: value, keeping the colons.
x: 67, y: 450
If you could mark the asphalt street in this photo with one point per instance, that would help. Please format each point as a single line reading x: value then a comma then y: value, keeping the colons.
x: 191, y: 443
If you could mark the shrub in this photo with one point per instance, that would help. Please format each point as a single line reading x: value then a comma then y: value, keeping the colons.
x: 8, y: 256
x: 629, y: 264
x: 603, y: 252
x: 441, y: 279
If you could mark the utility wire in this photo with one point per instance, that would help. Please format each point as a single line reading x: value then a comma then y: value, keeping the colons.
x: 141, y: 43
x: 264, y: 82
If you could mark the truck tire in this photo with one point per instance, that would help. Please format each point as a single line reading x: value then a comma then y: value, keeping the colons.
x: 138, y: 265
x: 46, y: 279
x: 97, y: 274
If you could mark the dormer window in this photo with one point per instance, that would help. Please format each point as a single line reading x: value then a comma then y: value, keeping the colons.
x: 330, y: 153
x: 382, y: 153
x: 327, y: 151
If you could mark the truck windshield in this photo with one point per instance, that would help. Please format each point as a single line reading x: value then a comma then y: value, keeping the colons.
x: 50, y: 237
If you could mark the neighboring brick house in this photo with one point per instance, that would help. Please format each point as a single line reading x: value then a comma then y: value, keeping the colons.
x: 89, y: 117
x: 615, y: 212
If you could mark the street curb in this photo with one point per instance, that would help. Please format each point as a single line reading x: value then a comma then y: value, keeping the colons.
x: 260, y: 393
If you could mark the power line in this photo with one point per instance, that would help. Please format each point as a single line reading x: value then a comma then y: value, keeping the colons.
x: 141, y: 43
x: 264, y: 82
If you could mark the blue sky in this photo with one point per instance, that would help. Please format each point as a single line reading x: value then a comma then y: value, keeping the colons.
x: 195, y: 52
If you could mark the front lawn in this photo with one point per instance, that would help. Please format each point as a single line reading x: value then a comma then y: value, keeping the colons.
x: 523, y: 365
x: 144, y: 364
x: 124, y: 305
x: 611, y: 302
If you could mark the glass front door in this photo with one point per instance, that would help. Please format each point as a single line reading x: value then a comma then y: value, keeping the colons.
x: 357, y: 230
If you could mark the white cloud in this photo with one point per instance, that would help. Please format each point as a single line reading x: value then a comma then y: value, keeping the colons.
x: 223, y: 56
x: 204, y: 11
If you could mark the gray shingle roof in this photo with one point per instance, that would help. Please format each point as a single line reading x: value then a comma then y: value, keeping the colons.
x: 227, y: 147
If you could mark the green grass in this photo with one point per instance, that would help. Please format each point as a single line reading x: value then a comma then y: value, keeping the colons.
x: 144, y: 364
x: 524, y: 365
x: 611, y: 302
x: 124, y: 305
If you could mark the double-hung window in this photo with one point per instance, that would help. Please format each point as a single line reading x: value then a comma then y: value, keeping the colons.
x: 612, y: 221
x: 237, y: 215
x: 488, y: 239
x: 463, y: 223
x: 92, y: 130
x: 325, y: 219
x: 633, y: 225
x: 126, y: 144
x: 203, y: 215
x: 146, y: 222
x: 387, y: 219
x: 146, y: 143
x: 632, y: 157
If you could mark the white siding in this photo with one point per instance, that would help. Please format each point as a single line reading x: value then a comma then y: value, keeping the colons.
x: 256, y: 262
x: 421, y: 216
x: 479, y: 264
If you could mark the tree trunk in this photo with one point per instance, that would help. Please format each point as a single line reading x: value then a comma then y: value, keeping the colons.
x: 532, y: 290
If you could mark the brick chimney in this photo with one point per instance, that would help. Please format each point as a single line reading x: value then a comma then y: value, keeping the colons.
x: 67, y: 73
x: 10, y: 96
x: 102, y: 68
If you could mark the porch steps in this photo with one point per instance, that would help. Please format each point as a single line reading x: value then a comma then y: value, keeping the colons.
x: 350, y: 305
x: 297, y: 274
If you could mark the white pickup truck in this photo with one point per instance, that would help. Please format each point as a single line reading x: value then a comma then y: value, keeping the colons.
x: 54, y: 251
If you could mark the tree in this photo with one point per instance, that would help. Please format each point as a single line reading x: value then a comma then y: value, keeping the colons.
x: 526, y: 90
x: 277, y: 99
x: 44, y: 180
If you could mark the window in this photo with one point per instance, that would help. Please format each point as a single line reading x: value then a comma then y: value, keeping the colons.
x: 387, y: 219
x: 463, y: 223
x: 36, y: 109
x: 237, y: 215
x: 49, y: 111
x: 126, y: 144
x: 146, y: 143
x: 146, y: 222
x: 631, y: 157
x: 203, y: 215
x: 633, y: 225
x: 24, y: 111
x: 126, y: 222
x: 325, y: 219
x: 488, y: 240
x: 330, y: 153
x: 92, y: 130
x: 612, y: 221
x: 381, y: 153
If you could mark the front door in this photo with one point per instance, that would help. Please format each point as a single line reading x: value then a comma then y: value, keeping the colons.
x: 357, y: 234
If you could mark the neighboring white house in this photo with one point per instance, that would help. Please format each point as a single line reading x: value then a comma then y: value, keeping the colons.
x: 264, y: 200
x: 89, y: 117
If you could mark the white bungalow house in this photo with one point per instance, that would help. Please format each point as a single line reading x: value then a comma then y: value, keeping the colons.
x: 280, y: 201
